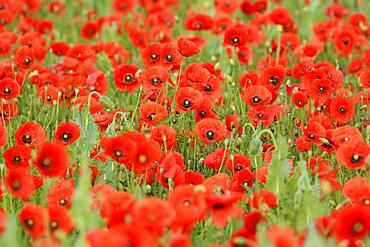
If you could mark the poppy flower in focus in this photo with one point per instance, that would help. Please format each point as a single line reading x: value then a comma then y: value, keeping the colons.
x: 59, y: 220
x: 210, y: 130
x: 299, y: 99
x: 170, y: 56
x: 151, y: 113
x: 61, y: 193
x: 17, y: 156
x: 187, y: 47
x: 238, y: 162
x: 273, y: 77
x: 120, y: 148
x: 261, y: 114
x: 52, y: 160
x: 237, y: 36
x: 9, y: 88
x: 165, y: 135
x: 151, y: 54
x: 188, y: 98
x: 67, y: 133
x: 125, y: 77
x: 31, y: 134
x: 344, y: 41
x: 256, y: 95
x: 342, y: 109
x: 24, y: 57
x: 353, y: 155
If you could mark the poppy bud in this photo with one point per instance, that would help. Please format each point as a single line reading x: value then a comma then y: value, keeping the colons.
x: 297, y: 122
x: 255, y: 146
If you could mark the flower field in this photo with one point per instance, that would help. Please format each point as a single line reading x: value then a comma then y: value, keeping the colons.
x: 177, y: 123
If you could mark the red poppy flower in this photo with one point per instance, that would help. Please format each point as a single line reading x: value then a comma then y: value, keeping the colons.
x: 256, y: 95
x: 24, y: 57
x: 346, y: 134
x: 238, y: 162
x: 125, y: 77
x: 245, y: 55
x: 314, y: 131
x: 351, y: 224
x: 90, y: 29
x: 198, y: 22
x: 61, y: 193
x: 148, y: 151
x: 106, y: 237
x: 237, y: 36
x: 189, y: 204
x: 116, y: 207
x: 59, y: 48
x: 164, y: 135
x: 17, y: 156
x: 299, y: 99
x: 193, y: 178
x: 217, y: 158
x: 52, y: 160
x: 3, y: 136
x: 188, y: 98
x: 67, y: 133
x: 59, y: 220
x: 241, y: 181
x: 320, y: 90
x: 186, y: 47
x: 146, y: 214
x: 49, y: 95
x: 264, y: 197
x: 221, y: 200
x: 248, y: 78
x: 280, y: 237
x: 261, y: 114
x: 342, y: 109
x: 9, y: 88
x: 120, y: 148
x: 357, y: 190
x: 151, y: 54
x: 154, y: 77
x: 273, y: 77
x: 205, y: 110
x: 210, y: 130
x: 123, y: 6
x: 97, y: 82
x: 33, y: 219
x: 344, y: 41
x: 365, y: 78
x: 20, y: 183
x: 353, y: 155
x: 151, y: 113
x: 31, y: 134
x: 170, y: 57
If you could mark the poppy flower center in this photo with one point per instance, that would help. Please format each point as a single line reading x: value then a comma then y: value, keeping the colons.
x: 128, y: 78
x: 238, y: 167
x: 345, y: 41
x: 118, y: 153
x: 169, y: 57
x: 122, y: 6
x: 91, y: 31
x: 142, y: 158
x: 322, y: 89
x: 198, y: 25
x: 357, y: 227
x: 27, y: 61
x: 46, y: 162
x: 356, y: 158
x: 3, y: 21
x: 63, y: 202
x: 156, y: 80
x: 210, y: 135
x: 223, y: 26
x: 342, y: 109
x: 202, y: 113
x: 260, y: 115
x: 235, y: 40
x: 17, y: 159
x: 7, y: 90
x: 255, y: 100
x: 48, y: 98
x: 27, y: 138
x: 187, y: 103
x: 274, y: 80
x: 29, y: 223
x: 54, y: 225
x: 366, y: 201
x: 16, y: 185
x: 187, y: 203
x: 208, y: 88
x: 66, y: 137
x: 311, y: 136
x: 154, y: 56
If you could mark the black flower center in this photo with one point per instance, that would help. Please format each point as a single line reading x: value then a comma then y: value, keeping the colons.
x: 255, y: 100
x: 238, y: 167
x: 156, y: 81
x: 311, y: 136
x: 342, y: 109
x: 345, y: 41
x: 54, y: 225
x: 321, y: 90
x: 46, y: 162
x: 154, y: 56
x: 169, y: 57
x: 210, y: 135
x: 187, y: 103
x: 27, y: 61
x: 17, y: 159
x: 198, y: 25
x: 65, y: 137
x: 186, y: 203
x: 357, y: 227
x: 235, y: 40
x: 128, y: 78
x: 27, y: 138
x: 356, y: 158
x: 29, y: 223
x: 274, y: 80
x: 63, y: 202
x: 118, y: 153
x: 202, y: 113
x: 208, y: 88
x: 16, y: 185
x: 7, y: 90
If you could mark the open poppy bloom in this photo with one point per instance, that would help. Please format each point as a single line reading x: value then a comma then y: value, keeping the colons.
x: 188, y: 98
x: 52, y: 159
x: 125, y: 77
x: 67, y: 133
x: 210, y: 130
x: 353, y: 155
